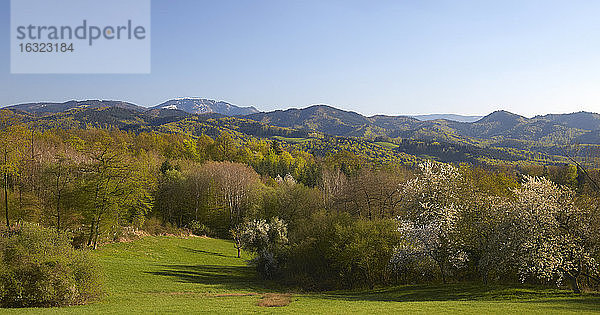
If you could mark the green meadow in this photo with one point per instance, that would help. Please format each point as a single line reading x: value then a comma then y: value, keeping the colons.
x: 202, y: 275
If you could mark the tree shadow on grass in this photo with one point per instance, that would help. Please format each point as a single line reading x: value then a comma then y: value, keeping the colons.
x: 575, y: 303
x: 469, y: 292
x: 227, y: 277
x: 244, y: 278
x: 200, y: 251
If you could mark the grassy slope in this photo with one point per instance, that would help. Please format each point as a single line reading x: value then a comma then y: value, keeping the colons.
x: 292, y: 140
x: 388, y: 145
x: 197, y: 275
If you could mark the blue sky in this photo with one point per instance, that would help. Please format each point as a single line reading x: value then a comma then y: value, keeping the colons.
x: 389, y: 57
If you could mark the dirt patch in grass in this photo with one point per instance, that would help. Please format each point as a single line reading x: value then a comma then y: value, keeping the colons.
x: 275, y: 300
x: 235, y: 294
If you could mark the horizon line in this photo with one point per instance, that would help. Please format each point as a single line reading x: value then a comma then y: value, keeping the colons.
x: 294, y: 107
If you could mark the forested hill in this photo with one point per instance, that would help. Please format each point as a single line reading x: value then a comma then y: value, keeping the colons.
x: 186, y: 105
x: 500, y: 125
x: 49, y: 107
x: 453, y: 117
x: 500, y: 137
x: 205, y: 106
x: 580, y: 127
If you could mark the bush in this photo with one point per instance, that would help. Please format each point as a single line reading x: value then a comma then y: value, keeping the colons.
x: 154, y: 226
x: 333, y: 251
x: 40, y: 268
x: 362, y: 252
x: 199, y: 229
x: 267, y: 240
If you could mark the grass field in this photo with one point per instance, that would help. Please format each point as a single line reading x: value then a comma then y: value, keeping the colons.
x: 291, y: 140
x: 388, y: 145
x: 200, y: 275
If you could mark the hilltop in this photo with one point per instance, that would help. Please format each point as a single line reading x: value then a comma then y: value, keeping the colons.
x: 500, y: 137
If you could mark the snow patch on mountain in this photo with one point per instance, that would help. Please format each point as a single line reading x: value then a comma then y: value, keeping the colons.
x: 206, y: 106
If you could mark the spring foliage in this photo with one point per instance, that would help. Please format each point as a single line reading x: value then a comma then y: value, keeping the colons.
x: 40, y: 268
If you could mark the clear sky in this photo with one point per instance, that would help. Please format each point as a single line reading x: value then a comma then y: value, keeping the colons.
x: 389, y: 57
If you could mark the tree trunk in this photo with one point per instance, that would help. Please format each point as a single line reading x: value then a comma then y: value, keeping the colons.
x: 58, y: 213
x: 96, y: 233
x: 91, y: 237
x: 6, y: 199
x: 574, y: 284
x: 239, y: 253
x: 58, y: 192
x: 485, y: 277
x: 441, y: 266
x: 20, y: 200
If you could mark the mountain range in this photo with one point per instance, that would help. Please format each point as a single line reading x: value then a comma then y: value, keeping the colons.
x: 499, y: 125
x: 453, y: 117
x: 500, y: 128
x: 205, y: 106
x: 186, y: 105
x: 49, y: 107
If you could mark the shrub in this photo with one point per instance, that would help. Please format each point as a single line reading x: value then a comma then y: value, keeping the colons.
x: 40, y: 268
x: 154, y: 226
x: 199, y: 229
x: 362, y: 252
x: 267, y: 240
x: 332, y: 251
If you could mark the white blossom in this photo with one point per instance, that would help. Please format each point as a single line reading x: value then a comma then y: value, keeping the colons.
x: 428, y: 232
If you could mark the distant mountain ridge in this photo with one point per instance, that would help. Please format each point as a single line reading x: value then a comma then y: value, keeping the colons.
x: 497, y: 127
x: 206, y: 106
x: 184, y: 105
x: 453, y: 117
x: 581, y: 120
x: 321, y: 118
x: 51, y: 107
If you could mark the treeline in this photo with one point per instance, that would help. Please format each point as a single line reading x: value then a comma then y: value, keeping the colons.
x: 440, y: 223
x: 94, y: 182
x: 339, y: 221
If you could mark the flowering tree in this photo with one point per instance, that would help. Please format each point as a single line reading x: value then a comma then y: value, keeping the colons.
x: 556, y: 239
x: 490, y: 236
x: 430, y: 226
x: 266, y: 239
